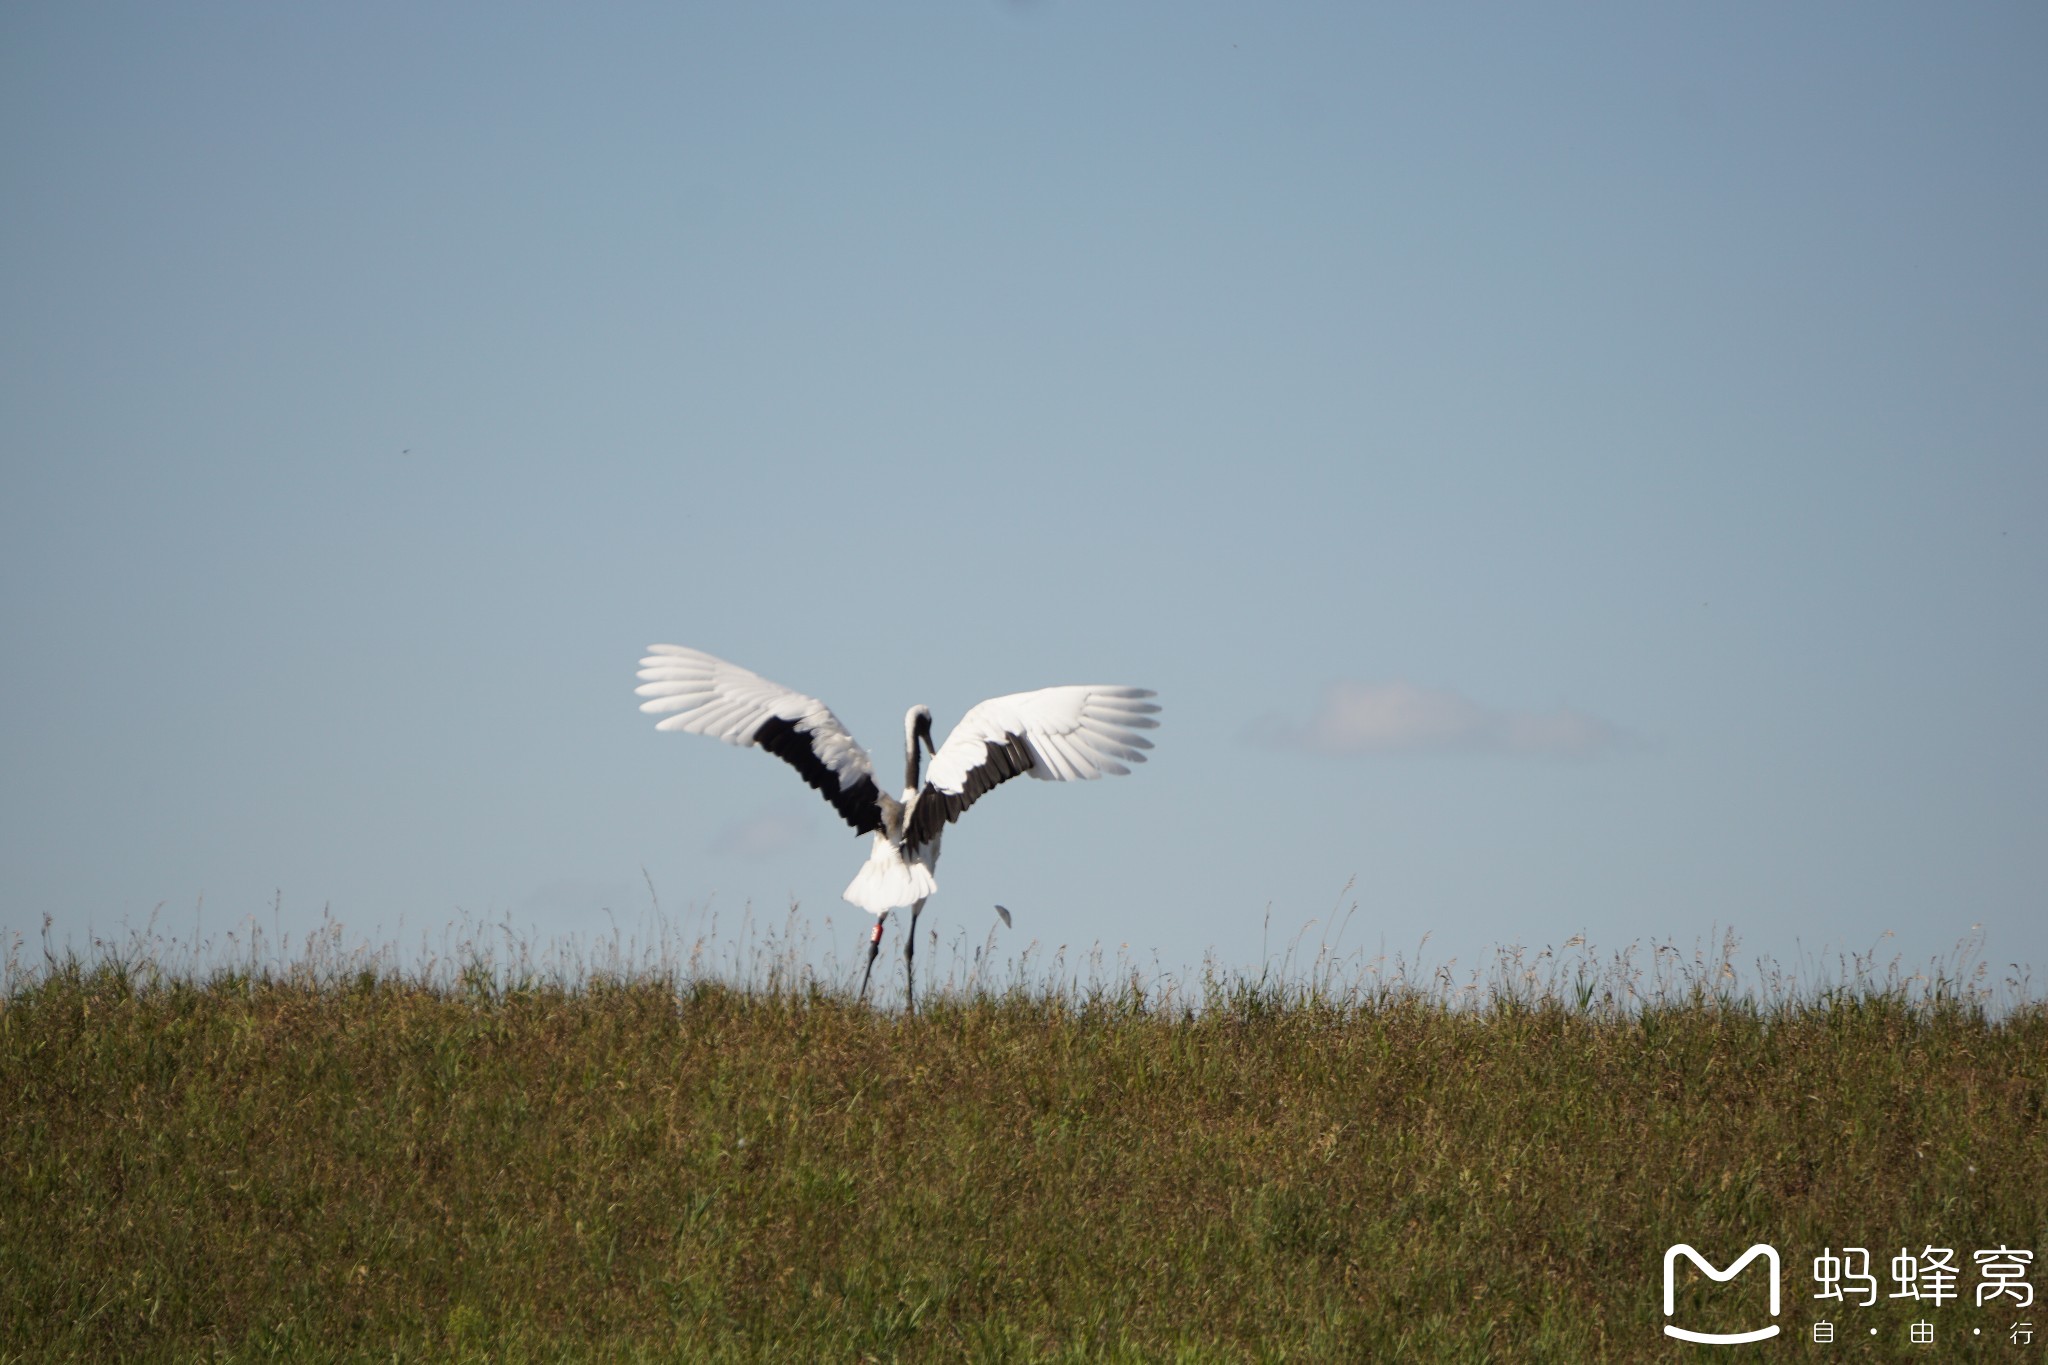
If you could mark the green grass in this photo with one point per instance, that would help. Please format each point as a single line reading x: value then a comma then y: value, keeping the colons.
x: 368, y: 1163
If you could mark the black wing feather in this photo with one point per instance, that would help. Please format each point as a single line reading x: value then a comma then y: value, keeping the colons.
x: 936, y: 809
x: 860, y: 805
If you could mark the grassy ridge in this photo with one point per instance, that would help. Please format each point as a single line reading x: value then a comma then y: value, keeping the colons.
x: 382, y: 1167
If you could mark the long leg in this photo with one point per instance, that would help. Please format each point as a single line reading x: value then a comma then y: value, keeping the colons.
x: 874, y: 946
x: 910, y: 951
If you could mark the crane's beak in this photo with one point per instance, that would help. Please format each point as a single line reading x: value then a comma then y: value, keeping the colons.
x: 926, y: 736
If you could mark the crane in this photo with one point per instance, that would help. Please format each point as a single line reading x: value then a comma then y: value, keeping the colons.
x: 1055, y: 734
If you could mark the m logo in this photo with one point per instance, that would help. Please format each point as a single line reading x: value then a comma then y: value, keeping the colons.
x: 1671, y: 1255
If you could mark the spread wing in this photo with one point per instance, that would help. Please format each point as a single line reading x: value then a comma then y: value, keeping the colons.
x: 709, y: 696
x: 1056, y: 734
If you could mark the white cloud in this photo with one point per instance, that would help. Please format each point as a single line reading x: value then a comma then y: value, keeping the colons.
x: 1406, y: 718
x: 764, y: 834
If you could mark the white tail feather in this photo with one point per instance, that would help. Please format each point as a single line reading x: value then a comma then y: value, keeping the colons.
x: 889, y: 880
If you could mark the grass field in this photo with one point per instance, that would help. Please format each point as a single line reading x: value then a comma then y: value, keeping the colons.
x: 310, y: 1161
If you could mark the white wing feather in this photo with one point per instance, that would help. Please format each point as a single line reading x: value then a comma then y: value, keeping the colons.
x: 700, y: 694
x: 1056, y: 734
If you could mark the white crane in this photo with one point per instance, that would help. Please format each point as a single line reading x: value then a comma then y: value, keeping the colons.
x: 1057, y: 734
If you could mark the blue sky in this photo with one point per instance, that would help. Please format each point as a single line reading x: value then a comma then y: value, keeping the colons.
x: 1565, y: 469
